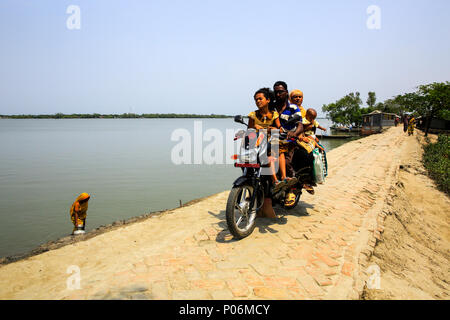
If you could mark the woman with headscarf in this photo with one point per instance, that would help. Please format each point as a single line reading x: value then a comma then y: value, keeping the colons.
x: 78, y: 213
x: 411, y: 126
x: 296, y: 97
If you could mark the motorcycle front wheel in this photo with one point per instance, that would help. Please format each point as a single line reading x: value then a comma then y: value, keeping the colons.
x: 240, y: 218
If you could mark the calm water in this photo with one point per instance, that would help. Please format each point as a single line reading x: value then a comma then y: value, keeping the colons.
x: 125, y: 164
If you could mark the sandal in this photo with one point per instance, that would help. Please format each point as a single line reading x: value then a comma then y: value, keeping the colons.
x: 308, y: 188
x: 291, y: 181
x: 290, y: 200
x: 278, y: 185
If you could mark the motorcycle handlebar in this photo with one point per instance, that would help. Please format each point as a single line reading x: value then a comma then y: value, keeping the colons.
x: 282, y: 135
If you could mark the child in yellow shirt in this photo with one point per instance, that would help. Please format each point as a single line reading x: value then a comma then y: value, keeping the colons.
x: 309, y: 118
x: 309, y: 140
x: 263, y: 118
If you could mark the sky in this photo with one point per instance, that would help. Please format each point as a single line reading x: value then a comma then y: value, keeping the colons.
x: 209, y: 57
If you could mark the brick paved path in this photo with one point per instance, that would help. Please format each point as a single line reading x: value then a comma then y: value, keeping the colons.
x: 316, y: 251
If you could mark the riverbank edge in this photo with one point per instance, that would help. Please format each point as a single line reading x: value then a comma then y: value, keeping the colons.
x: 71, y: 239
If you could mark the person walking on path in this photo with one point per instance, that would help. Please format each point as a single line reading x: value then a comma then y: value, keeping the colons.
x: 411, y: 126
x: 405, y: 123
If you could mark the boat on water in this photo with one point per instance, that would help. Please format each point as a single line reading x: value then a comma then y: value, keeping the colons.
x: 345, y: 129
x: 337, y: 136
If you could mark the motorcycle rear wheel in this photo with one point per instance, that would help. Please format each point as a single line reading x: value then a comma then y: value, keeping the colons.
x: 297, y: 199
x: 240, y: 219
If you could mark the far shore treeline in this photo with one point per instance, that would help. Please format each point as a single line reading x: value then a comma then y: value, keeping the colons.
x: 428, y: 101
x: 112, y: 116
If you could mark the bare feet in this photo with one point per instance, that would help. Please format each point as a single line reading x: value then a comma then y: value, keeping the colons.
x: 267, y: 210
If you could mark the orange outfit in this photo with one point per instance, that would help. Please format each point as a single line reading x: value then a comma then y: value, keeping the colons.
x: 80, y: 209
x: 303, y: 112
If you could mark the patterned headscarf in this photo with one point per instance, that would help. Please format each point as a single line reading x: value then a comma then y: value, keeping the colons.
x: 80, y: 207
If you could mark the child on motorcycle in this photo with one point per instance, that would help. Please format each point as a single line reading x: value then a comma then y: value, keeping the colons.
x: 309, y: 140
x: 263, y: 118
x: 310, y: 118
x: 296, y: 97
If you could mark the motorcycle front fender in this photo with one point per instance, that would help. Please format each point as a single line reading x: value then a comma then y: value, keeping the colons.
x: 240, y: 181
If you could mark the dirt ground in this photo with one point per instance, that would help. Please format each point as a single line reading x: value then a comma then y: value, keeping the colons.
x: 414, y: 253
x: 318, y: 250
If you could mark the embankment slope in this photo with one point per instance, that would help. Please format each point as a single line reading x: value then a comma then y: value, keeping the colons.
x: 414, y: 252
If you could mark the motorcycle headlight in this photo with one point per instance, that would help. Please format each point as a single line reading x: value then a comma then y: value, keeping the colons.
x: 248, y: 156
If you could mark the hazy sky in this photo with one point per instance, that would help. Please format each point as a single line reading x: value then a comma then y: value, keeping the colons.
x: 211, y: 56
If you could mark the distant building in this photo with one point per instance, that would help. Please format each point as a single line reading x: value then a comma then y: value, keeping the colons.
x: 436, y: 125
x: 376, y: 121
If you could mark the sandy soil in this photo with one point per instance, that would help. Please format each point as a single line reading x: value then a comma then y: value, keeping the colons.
x: 414, y: 252
x: 71, y: 239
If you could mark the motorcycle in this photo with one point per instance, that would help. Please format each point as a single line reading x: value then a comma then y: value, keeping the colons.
x: 249, y: 190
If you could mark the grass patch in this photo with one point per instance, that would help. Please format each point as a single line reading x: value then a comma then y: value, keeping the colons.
x: 436, y: 161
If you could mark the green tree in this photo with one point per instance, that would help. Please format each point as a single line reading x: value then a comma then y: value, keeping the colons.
x: 429, y: 101
x: 346, y: 110
x: 390, y: 106
x: 371, y: 99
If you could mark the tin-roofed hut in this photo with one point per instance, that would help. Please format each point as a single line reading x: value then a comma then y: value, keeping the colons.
x: 376, y: 121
